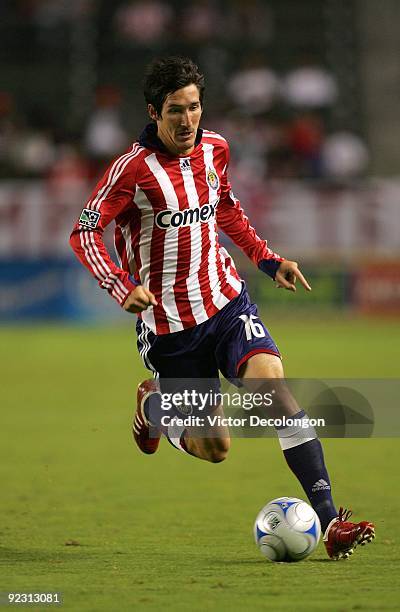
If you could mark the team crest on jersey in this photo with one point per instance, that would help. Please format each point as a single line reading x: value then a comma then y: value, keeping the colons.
x: 89, y: 218
x: 212, y: 178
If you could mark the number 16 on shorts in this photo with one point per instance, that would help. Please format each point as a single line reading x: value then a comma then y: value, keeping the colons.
x: 252, y: 326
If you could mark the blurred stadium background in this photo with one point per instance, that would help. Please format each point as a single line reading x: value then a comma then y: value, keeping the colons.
x: 306, y: 92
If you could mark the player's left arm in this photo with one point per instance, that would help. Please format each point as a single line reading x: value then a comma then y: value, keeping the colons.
x: 287, y: 275
x: 235, y: 224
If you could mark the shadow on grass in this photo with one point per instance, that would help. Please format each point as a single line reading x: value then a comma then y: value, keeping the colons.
x: 221, y: 562
x: 15, y: 556
x: 262, y: 562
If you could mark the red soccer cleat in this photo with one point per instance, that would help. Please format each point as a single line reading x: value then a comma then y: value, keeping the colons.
x: 341, y: 537
x: 141, y: 426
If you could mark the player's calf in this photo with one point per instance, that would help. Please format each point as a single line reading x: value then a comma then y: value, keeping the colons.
x: 147, y: 428
x: 214, y: 450
x: 208, y: 442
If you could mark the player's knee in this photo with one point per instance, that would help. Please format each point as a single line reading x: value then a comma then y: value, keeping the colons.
x: 276, y: 369
x: 218, y: 450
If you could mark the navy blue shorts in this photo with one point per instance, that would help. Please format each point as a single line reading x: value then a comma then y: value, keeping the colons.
x: 222, y: 343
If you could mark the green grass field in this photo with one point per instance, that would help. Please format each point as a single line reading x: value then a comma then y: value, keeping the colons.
x: 169, y: 531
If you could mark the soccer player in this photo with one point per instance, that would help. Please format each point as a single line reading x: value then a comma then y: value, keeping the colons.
x: 169, y: 194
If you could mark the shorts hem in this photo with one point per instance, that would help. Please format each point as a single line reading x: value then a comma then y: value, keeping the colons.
x: 255, y: 352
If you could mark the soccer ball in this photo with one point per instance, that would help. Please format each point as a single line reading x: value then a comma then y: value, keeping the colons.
x: 287, y: 529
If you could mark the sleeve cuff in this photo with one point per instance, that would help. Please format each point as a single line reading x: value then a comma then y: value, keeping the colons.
x: 269, y: 266
x: 130, y: 284
x: 133, y: 280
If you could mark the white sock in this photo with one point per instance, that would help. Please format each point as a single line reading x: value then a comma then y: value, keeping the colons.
x: 174, y: 435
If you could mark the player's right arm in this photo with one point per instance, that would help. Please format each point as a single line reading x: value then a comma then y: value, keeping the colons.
x: 139, y: 299
x: 112, y: 198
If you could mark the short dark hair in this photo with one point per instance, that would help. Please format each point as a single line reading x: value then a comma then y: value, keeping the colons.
x: 165, y: 75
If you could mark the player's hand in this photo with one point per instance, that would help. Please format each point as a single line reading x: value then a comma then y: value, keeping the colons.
x: 287, y: 274
x: 139, y: 299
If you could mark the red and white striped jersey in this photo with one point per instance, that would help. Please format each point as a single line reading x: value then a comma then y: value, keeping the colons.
x: 167, y: 211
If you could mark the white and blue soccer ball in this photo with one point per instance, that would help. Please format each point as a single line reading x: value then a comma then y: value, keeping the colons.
x: 287, y: 529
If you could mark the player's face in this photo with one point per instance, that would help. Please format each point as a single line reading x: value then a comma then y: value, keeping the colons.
x: 179, y: 120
